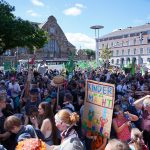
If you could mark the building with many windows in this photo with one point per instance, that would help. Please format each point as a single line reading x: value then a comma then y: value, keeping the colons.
x: 128, y: 45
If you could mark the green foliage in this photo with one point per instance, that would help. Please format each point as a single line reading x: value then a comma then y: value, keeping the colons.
x: 70, y: 65
x: 17, y: 32
x: 90, y: 53
x: 106, y: 53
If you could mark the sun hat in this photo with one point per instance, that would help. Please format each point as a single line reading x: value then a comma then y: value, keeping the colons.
x: 57, y: 80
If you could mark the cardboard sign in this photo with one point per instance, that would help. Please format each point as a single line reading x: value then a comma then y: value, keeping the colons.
x: 98, y: 108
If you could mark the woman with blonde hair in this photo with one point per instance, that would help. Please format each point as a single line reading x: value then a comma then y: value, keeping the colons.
x: 65, y: 122
x: 137, y: 142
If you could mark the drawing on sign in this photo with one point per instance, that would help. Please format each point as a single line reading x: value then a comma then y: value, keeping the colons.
x: 102, y: 123
x: 98, y: 109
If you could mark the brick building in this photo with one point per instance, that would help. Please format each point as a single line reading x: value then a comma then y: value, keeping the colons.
x: 58, y: 46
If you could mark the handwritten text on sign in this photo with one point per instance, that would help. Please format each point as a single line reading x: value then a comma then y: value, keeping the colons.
x: 100, y: 94
x: 99, y: 103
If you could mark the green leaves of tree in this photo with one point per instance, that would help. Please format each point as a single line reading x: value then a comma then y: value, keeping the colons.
x: 106, y: 53
x: 18, y: 32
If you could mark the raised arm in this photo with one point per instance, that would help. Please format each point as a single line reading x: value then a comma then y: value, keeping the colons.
x: 139, y: 103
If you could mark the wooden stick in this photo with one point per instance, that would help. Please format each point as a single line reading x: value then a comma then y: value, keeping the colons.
x: 58, y: 95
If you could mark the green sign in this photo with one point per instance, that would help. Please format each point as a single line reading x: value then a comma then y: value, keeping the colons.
x: 7, y: 65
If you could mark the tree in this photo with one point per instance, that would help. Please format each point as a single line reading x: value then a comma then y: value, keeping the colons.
x: 17, y: 32
x: 106, y: 54
x: 90, y: 53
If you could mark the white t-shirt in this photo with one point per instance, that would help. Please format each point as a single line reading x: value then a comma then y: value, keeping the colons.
x: 119, y: 88
x: 15, y: 89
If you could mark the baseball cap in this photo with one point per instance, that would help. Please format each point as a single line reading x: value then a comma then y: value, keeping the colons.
x: 34, y: 91
x: 53, y: 95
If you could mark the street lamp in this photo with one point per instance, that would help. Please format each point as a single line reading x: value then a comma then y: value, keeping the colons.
x: 97, y: 28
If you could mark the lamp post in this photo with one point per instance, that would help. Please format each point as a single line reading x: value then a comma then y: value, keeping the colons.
x: 97, y: 28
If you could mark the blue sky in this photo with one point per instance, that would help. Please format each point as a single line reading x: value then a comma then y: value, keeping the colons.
x: 76, y: 16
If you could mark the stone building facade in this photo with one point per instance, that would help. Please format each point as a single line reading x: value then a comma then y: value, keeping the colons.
x: 128, y: 45
x: 57, y: 48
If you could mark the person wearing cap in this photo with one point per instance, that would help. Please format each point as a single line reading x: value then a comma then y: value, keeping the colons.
x: 53, y: 102
x: 144, y: 104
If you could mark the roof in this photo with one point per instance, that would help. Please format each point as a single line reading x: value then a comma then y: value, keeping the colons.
x: 128, y: 30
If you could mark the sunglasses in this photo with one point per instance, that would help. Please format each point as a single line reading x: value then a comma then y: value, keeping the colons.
x: 119, y: 112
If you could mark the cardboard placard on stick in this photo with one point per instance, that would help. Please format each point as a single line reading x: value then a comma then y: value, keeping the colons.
x: 98, y: 108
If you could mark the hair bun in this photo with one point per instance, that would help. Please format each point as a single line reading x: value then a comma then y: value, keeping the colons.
x: 74, y: 117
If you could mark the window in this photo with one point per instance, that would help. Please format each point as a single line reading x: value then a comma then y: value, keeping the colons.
x: 134, y: 51
x: 102, y: 45
x: 112, y: 44
x: 52, y: 48
x: 112, y: 61
x: 148, y: 39
x: 117, y: 44
x: 148, y: 50
x: 148, y: 32
x: 117, y: 52
x: 141, y: 60
x: 148, y: 59
x: 141, y: 41
x: 128, y: 51
x: 123, y: 52
x: 134, y: 42
x: 112, y: 53
x: 117, y: 61
x: 127, y: 43
x: 141, y: 50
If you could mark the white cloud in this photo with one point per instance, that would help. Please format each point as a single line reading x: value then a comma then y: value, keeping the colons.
x: 32, y: 13
x: 73, y: 11
x: 79, y: 5
x: 81, y: 40
x: 37, y: 2
x: 29, y: 11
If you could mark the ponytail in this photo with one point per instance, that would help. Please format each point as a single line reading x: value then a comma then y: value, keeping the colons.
x: 74, y: 118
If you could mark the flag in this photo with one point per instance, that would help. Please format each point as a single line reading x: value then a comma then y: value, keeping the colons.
x: 32, y: 60
x: 133, y: 69
x: 142, y: 71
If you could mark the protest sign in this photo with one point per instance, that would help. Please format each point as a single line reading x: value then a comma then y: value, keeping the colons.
x: 98, y: 108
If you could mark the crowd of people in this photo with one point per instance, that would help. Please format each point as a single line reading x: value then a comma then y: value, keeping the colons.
x: 32, y: 107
